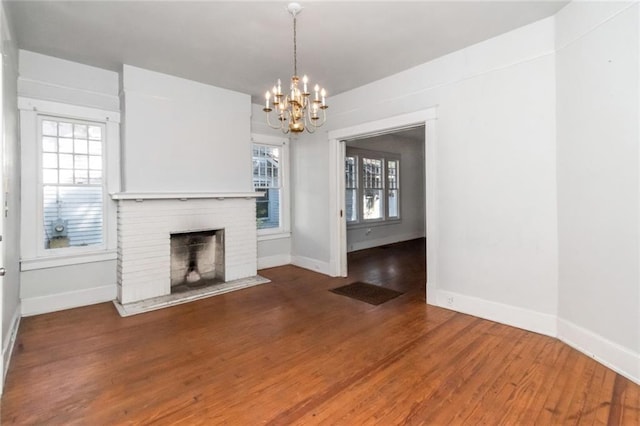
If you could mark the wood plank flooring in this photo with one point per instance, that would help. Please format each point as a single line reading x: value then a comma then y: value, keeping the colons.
x: 292, y: 352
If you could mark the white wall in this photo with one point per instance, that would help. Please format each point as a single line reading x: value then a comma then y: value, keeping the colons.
x: 45, y: 287
x: 412, y: 195
x: 49, y: 78
x: 180, y: 135
x: 598, y: 136
x: 496, y: 187
x: 11, y: 179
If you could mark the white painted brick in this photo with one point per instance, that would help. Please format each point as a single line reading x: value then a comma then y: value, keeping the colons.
x: 144, y: 230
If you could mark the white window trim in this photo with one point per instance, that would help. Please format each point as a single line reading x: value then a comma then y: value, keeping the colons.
x: 33, y: 255
x: 284, y: 230
x: 359, y: 154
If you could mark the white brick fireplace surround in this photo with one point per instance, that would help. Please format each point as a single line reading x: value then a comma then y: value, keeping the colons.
x: 146, y: 221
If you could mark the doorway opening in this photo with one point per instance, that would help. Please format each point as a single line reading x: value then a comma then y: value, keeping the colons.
x: 385, y: 188
x: 421, y: 121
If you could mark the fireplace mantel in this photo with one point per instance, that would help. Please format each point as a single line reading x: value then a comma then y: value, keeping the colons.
x: 141, y: 196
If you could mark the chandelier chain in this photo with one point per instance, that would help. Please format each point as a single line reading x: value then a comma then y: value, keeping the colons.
x: 295, y: 48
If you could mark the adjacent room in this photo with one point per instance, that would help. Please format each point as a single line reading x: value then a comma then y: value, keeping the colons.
x: 367, y: 212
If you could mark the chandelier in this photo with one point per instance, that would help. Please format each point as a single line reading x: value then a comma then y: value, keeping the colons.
x: 296, y: 110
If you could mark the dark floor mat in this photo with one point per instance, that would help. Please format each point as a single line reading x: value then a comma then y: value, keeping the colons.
x: 369, y: 293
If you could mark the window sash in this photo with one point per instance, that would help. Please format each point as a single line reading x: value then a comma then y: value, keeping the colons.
x: 75, y: 176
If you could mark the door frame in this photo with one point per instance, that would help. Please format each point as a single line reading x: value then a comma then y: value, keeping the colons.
x: 338, y: 222
x: 2, y: 211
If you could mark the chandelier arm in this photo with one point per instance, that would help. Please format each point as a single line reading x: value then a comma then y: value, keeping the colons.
x: 271, y: 125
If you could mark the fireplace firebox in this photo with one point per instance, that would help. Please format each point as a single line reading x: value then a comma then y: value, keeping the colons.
x: 197, y: 259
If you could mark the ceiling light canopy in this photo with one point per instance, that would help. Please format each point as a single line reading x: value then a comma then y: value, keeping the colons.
x: 298, y: 109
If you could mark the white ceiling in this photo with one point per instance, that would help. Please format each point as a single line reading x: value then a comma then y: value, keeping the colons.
x: 246, y: 46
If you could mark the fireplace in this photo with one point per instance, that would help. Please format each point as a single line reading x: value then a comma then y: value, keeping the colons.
x: 197, y: 259
x: 155, y: 231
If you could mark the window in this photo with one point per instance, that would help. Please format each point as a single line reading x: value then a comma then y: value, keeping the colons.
x: 372, y: 187
x: 351, y: 188
x: 392, y: 189
x: 70, y: 164
x: 269, y: 177
x: 72, y: 182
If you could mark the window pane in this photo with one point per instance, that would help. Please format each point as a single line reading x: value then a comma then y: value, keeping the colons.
x: 65, y: 130
x: 266, y: 162
x: 50, y: 161
x: 50, y: 176
x: 80, y: 131
x: 80, y: 146
x: 351, y: 175
x: 95, y: 147
x: 95, y: 132
x: 95, y: 162
x: 372, y: 202
x: 81, y: 162
x: 72, y: 216
x: 66, y: 145
x: 81, y: 177
x: 371, y: 173
x: 66, y: 176
x: 392, y: 174
x: 49, y: 128
x: 49, y: 144
x: 95, y: 176
x: 268, y: 209
x: 351, y: 205
x: 393, y: 203
x: 66, y: 161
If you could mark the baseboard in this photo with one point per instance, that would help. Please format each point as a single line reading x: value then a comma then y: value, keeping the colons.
x: 273, y: 261
x: 506, y: 314
x: 72, y: 299
x: 612, y: 355
x: 391, y: 239
x: 432, y: 294
x: 312, y: 264
x: 8, y: 344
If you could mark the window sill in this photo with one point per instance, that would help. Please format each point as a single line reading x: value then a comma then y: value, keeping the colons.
x: 75, y: 259
x: 274, y: 236
x: 374, y: 223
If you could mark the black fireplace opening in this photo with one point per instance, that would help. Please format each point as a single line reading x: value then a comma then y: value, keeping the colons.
x: 197, y: 259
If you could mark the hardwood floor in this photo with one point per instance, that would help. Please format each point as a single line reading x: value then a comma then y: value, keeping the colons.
x: 291, y: 352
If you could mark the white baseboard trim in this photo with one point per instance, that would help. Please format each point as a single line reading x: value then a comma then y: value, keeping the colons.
x: 391, y: 239
x: 311, y: 264
x: 273, y: 261
x: 612, y: 355
x: 432, y: 294
x: 506, y: 314
x: 72, y: 299
x: 8, y: 344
